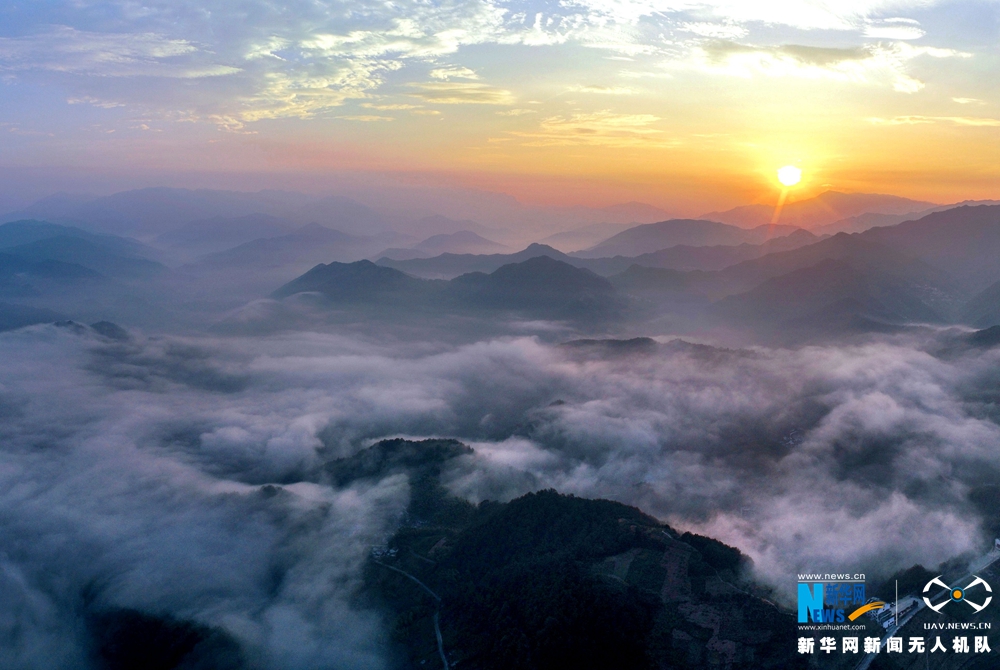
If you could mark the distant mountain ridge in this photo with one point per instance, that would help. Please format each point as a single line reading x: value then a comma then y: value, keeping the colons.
x: 461, y: 242
x: 84, y: 252
x: 364, y: 209
x: 358, y: 282
x: 219, y: 233
x: 52, y: 252
x: 835, y: 289
x: 863, y: 222
x: 825, y: 208
x: 853, y: 249
x: 717, y: 257
x: 149, y: 212
x: 540, y: 285
x: 449, y: 266
x: 691, y: 232
x: 962, y: 241
x: 684, y: 257
x: 251, y: 267
x: 27, y: 231
x: 584, y: 237
x: 19, y: 316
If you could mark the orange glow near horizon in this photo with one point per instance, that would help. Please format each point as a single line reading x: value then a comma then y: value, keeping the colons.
x: 601, y: 113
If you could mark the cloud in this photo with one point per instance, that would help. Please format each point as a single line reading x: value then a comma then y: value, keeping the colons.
x: 871, y: 64
x: 799, y: 14
x: 853, y: 456
x: 894, y: 29
x: 259, y: 60
x: 603, y: 128
x: 68, y: 50
x: 105, y: 502
x: 367, y: 118
x: 305, y: 93
x: 389, y: 106
x: 894, y: 32
x: 453, y: 73
x: 716, y: 30
x: 138, y: 470
x: 517, y: 112
x: 461, y: 93
x: 973, y: 121
x: 602, y: 90
x: 96, y: 102
x: 968, y: 101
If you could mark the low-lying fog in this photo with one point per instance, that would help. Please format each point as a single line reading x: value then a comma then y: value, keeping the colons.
x: 134, y: 472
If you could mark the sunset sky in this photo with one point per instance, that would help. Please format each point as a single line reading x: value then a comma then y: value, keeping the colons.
x: 681, y: 104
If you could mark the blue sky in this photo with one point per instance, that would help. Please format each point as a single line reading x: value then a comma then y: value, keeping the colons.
x: 580, y: 89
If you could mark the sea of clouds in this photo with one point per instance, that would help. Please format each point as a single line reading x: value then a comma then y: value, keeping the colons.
x: 135, y: 474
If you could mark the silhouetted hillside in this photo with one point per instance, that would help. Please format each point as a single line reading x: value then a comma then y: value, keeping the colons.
x: 219, y: 233
x: 612, y: 347
x: 311, y: 240
x: 360, y: 282
x: 340, y: 213
x: 256, y: 266
x: 860, y: 252
x: 127, y: 639
x: 26, y: 231
x: 718, y: 257
x: 691, y: 232
x: 552, y: 581
x: 823, y: 209
x: 449, y: 266
x: 540, y: 286
x: 831, y: 298
x: 543, y: 285
x: 964, y: 242
x: 149, y: 212
x: 461, y: 242
x: 983, y: 309
x: 653, y: 292
x: 584, y: 237
x: 21, y: 277
x: 89, y: 254
x: 19, y: 316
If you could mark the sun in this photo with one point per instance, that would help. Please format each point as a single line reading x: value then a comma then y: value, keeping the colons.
x: 789, y: 175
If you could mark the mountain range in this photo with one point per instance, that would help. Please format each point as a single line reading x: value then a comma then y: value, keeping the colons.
x: 150, y: 212
x: 449, y: 266
x: 824, y: 209
x: 461, y: 242
x: 43, y: 251
x: 963, y: 241
x: 691, y: 232
x: 206, y: 236
x: 682, y: 257
x: 918, y: 272
x: 250, y: 268
x: 937, y: 269
x: 539, y: 285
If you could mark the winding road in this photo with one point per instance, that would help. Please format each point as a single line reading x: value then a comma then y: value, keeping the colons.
x: 437, y: 614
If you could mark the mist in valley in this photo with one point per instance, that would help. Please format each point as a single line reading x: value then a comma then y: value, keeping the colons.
x: 175, y: 389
